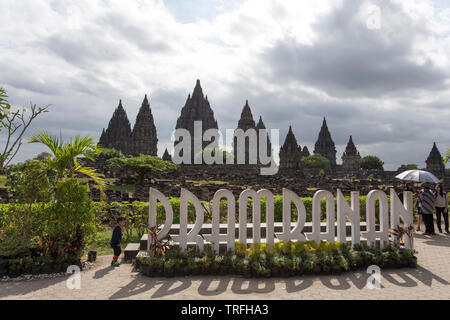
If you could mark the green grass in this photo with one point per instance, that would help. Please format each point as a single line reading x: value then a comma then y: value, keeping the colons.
x: 102, y: 244
x: 127, y: 187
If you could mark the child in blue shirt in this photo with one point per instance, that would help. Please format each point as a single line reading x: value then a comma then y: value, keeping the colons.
x: 116, y: 241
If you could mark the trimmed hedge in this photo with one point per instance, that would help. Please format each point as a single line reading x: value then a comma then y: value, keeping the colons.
x: 34, y: 265
x: 285, y: 259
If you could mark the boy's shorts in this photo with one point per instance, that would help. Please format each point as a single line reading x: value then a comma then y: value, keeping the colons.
x: 117, y: 251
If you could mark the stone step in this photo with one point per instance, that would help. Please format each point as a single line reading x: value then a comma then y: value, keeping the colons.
x: 278, y: 227
x: 131, y: 252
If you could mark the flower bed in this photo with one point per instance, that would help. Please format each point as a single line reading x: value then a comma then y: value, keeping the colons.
x: 33, y: 266
x: 285, y: 259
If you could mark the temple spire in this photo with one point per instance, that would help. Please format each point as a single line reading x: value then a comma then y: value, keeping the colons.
x: 290, y: 152
x: 351, y: 159
x: 166, y: 156
x: 118, y: 134
x: 435, y: 162
x: 325, y: 145
x: 246, y: 121
x: 196, y: 108
x: 260, y: 124
x: 144, y: 136
x: 198, y: 92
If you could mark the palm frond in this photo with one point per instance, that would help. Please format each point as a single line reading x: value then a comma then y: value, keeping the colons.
x: 90, y: 172
x: 52, y: 142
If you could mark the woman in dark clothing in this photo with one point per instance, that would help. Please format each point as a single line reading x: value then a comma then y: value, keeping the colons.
x: 441, y: 207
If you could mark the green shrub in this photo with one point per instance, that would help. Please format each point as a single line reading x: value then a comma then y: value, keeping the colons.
x: 285, y: 259
x: 13, y: 245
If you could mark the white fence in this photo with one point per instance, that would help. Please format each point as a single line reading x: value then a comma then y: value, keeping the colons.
x: 335, y: 214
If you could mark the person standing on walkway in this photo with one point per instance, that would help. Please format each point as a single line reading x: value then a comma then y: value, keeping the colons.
x: 116, y: 241
x: 441, y: 207
x: 427, y: 203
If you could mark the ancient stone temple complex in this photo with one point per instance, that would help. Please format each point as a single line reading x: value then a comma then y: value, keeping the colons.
x: 143, y: 138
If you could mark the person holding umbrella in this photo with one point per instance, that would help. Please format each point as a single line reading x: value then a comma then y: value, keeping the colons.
x: 427, y: 203
x: 441, y: 207
x: 425, y: 211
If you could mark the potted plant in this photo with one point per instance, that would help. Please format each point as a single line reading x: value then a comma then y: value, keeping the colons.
x: 92, y: 253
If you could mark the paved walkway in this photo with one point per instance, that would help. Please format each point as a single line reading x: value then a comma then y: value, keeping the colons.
x: 431, y: 280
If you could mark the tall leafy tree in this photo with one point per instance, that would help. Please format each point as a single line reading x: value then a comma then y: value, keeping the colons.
x: 315, y: 161
x: 371, y: 163
x: 65, y: 154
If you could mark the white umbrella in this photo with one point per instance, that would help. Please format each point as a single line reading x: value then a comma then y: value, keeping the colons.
x: 418, y: 176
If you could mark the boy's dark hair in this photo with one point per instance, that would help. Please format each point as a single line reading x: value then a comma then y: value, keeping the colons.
x: 119, y: 219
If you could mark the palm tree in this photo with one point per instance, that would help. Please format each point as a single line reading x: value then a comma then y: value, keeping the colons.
x: 64, y: 154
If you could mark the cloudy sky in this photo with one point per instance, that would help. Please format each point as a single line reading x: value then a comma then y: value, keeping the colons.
x: 378, y: 70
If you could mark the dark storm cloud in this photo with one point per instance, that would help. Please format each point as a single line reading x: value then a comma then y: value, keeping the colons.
x: 139, y: 36
x: 349, y: 59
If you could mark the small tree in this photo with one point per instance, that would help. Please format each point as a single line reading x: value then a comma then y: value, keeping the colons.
x: 15, y: 124
x: 42, y: 156
x: 316, y: 161
x: 371, y: 163
x: 212, y: 152
x: 66, y: 153
x: 142, y: 165
x: 107, y: 154
x: 447, y: 156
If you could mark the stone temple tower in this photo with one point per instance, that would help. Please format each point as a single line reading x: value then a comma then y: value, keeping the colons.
x: 166, y: 156
x: 290, y: 152
x: 144, y: 137
x: 325, y: 145
x: 261, y: 126
x: 351, y: 158
x: 118, y: 134
x: 435, y: 162
x: 245, y: 123
x: 197, y: 108
x: 305, y: 152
